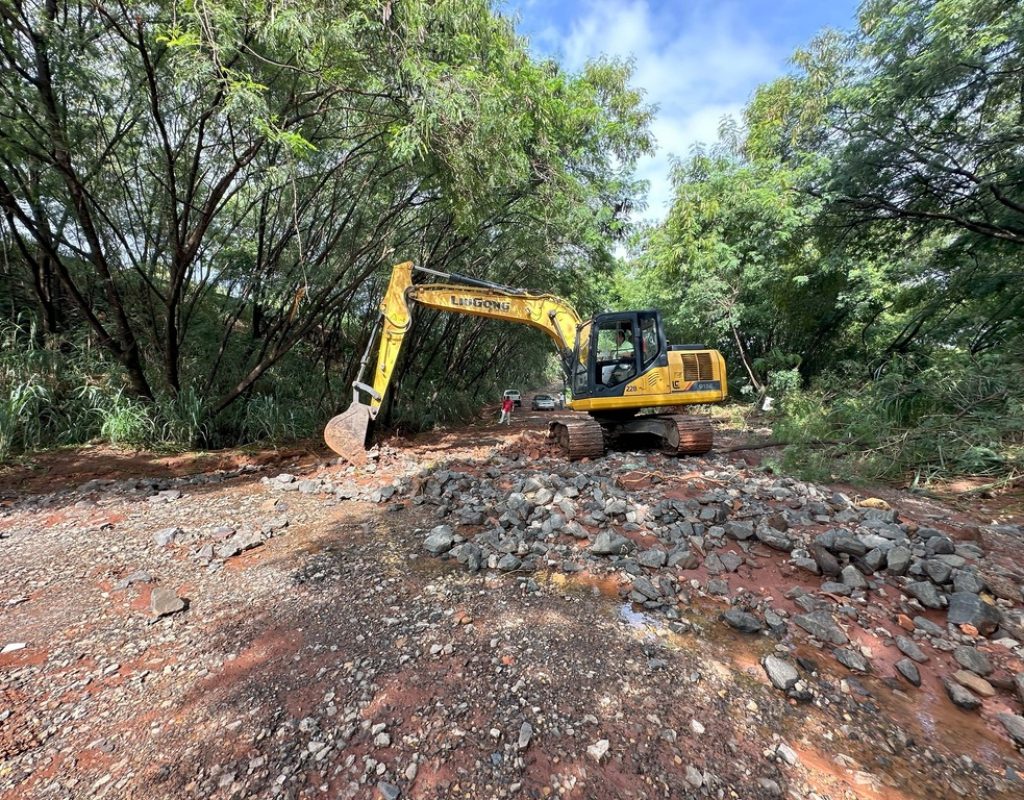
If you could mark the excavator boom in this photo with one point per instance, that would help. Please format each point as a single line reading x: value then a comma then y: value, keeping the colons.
x: 346, y: 433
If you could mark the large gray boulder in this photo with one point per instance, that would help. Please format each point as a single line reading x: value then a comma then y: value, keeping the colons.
x: 821, y: 626
x: 439, y: 540
x: 967, y: 608
x: 609, y: 543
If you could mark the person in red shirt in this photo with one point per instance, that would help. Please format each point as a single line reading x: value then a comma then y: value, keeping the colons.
x: 506, y: 411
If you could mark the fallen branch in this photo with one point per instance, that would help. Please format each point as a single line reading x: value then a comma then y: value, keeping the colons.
x: 777, y: 443
x: 751, y: 446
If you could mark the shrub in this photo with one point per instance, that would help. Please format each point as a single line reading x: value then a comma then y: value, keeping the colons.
x: 957, y: 415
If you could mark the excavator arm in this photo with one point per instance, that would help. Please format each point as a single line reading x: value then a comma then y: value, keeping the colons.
x: 346, y: 433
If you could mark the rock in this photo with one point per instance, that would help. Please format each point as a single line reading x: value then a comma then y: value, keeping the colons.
x: 850, y: 544
x: 821, y: 626
x: 609, y: 543
x: 939, y: 545
x: 968, y: 608
x: 872, y: 561
x: 683, y: 559
x: 807, y: 564
x: 599, y: 750
x: 166, y: 536
x: 13, y: 647
x: 853, y: 577
x: 739, y: 530
x: 910, y: 648
x: 1014, y: 724
x: 827, y: 563
x: 909, y: 670
x: 776, y: 540
x: 776, y: 623
x: 937, y: 571
x: 226, y: 550
x: 164, y: 601
x: 964, y: 581
x: 525, y: 734
x: 713, y: 564
x: 509, y: 563
x: 697, y: 727
x: 693, y: 776
x: 925, y: 592
x: 440, y: 540
x: 742, y: 621
x: 973, y: 659
x: 841, y: 589
x: 782, y: 674
x: 1018, y: 685
x: 960, y: 696
x: 897, y: 560
x: 139, y: 576
x: 388, y: 791
x: 787, y: 754
x: 852, y: 659
x: 1002, y: 587
x: 646, y: 588
x: 929, y: 627
x: 653, y: 558
x: 974, y: 683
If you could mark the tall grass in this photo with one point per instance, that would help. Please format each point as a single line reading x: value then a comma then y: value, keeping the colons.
x: 73, y: 394
x: 956, y: 416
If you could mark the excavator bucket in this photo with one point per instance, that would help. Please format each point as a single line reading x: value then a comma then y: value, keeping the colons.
x: 345, y: 434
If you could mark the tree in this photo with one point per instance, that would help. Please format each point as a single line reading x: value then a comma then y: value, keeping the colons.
x: 217, y: 189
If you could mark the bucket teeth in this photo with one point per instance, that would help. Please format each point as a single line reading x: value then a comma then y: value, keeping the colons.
x: 345, y: 434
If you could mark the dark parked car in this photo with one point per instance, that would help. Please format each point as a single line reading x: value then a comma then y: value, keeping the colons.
x: 543, y: 402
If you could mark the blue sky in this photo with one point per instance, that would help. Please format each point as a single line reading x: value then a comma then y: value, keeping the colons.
x: 697, y: 59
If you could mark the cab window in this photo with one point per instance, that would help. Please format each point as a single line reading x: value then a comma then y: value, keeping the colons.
x: 580, y: 380
x: 616, y: 352
x: 649, y: 345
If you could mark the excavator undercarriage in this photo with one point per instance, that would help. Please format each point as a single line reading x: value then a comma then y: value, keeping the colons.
x: 676, y: 434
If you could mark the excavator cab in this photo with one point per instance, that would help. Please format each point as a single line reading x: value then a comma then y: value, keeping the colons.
x: 613, y: 349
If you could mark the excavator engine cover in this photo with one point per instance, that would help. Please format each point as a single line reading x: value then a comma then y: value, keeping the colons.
x: 345, y: 434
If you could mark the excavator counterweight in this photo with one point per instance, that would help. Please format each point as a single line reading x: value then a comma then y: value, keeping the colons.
x: 617, y: 365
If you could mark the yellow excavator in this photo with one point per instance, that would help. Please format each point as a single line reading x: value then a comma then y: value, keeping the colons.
x: 616, y: 364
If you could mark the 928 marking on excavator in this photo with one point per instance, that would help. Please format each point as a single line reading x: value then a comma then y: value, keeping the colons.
x: 480, y: 302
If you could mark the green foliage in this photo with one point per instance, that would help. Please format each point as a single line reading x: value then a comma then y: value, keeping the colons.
x: 860, y: 234
x: 234, y: 181
x: 125, y: 421
x: 958, y: 415
x: 265, y: 418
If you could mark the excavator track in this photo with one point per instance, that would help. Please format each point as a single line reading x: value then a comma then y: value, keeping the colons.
x: 694, y: 436
x: 679, y: 434
x: 578, y: 438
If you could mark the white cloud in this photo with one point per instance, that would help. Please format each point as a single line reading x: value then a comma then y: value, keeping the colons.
x: 696, y: 64
x: 677, y: 134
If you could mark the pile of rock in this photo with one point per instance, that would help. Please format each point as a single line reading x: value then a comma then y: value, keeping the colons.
x: 568, y: 517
